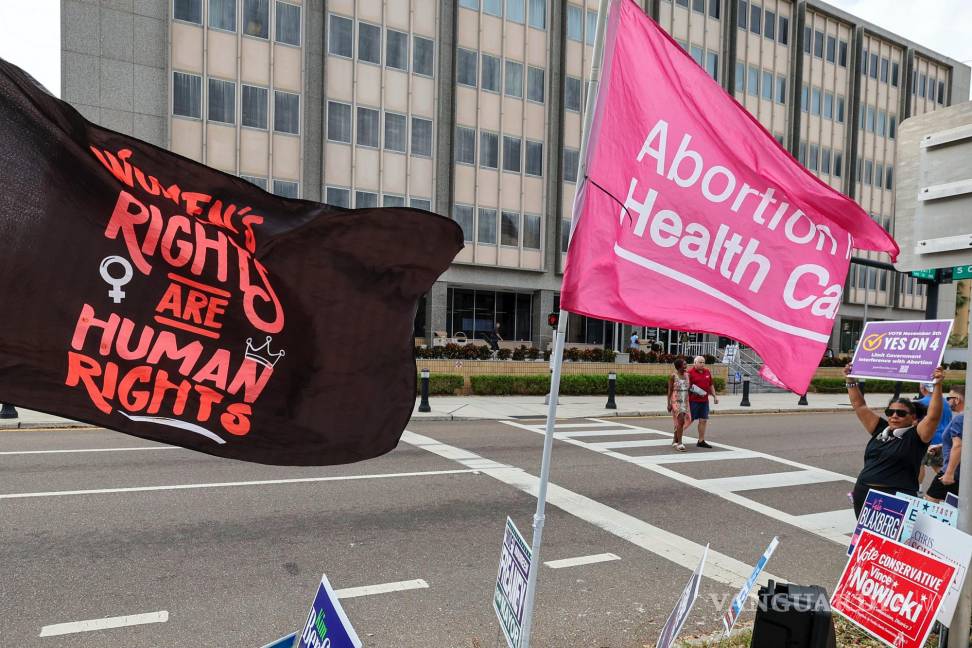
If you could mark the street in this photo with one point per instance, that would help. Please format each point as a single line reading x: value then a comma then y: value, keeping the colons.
x: 217, y: 552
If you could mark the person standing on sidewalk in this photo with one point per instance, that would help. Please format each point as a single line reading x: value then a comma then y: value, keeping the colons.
x: 946, y: 481
x: 678, y: 387
x: 700, y: 388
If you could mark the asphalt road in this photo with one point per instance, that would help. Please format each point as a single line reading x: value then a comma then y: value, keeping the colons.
x: 89, y: 534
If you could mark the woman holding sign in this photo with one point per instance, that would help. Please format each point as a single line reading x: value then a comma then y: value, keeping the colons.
x: 898, y: 443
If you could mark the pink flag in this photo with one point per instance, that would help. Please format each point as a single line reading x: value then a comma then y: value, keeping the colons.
x: 693, y: 217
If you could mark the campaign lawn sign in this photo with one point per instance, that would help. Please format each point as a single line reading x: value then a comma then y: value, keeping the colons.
x: 947, y: 544
x: 882, y: 514
x: 327, y: 625
x: 952, y: 499
x: 906, y: 350
x: 729, y: 618
x: 283, y: 642
x: 676, y: 620
x: 936, y: 510
x: 891, y: 590
x: 509, y: 597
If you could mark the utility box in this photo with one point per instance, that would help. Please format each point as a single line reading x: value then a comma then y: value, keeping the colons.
x: 793, y: 616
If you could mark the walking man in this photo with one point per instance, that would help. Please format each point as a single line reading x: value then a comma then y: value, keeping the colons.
x: 946, y: 481
x: 700, y: 388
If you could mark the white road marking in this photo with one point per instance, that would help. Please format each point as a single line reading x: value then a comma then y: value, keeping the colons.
x: 385, y: 588
x: 262, y: 482
x: 672, y: 547
x: 581, y: 560
x: 637, y: 443
x: 595, y: 433
x: 655, y: 463
x: 841, y: 521
x: 103, y: 624
x: 32, y: 452
x: 569, y: 426
x: 769, y: 480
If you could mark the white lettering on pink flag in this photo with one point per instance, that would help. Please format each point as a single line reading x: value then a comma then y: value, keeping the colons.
x: 692, y: 217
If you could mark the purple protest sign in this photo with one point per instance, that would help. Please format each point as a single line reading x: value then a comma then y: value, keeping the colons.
x: 907, y: 350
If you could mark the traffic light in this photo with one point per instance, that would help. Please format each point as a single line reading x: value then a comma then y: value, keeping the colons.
x: 553, y: 319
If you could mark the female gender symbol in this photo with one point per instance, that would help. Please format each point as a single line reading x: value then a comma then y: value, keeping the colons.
x: 116, y: 293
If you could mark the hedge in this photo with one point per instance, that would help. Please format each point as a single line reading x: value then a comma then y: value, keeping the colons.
x: 573, y: 385
x: 441, y: 384
x: 837, y: 386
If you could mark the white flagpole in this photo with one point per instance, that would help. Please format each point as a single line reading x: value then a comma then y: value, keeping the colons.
x: 558, y: 350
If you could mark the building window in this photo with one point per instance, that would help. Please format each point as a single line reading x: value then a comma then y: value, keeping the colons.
x: 575, y: 19
x: 396, y: 132
x: 421, y: 137
x: 714, y: 9
x: 591, y: 31
x: 874, y: 66
x: 571, y: 161
x: 890, y: 178
x: 534, y: 158
x: 491, y: 73
x: 423, y: 56
x: 515, y: 11
x: 941, y: 92
x: 868, y: 171
x: 188, y: 10
x: 767, y: 85
x: 831, y: 49
x: 510, y: 229
x: 818, y: 44
x: 396, y: 49
x: 513, y: 81
x: 493, y: 7
x: 338, y: 122
x: 813, y: 159
x: 463, y: 215
x: 572, y: 94
x: 538, y: 14
x: 286, y: 112
x: 698, y: 6
x: 466, y: 63
x: 838, y: 163
x: 882, y: 120
x: 869, y: 119
x: 286, y: 188
x: 769, y: 25
x: 535, y: 84
x: 337, y: 197
x: 254, y: 109
x: 840, y: 110
x: 260, y: 182
x: 783, y: 33
x: 390, y: 200
x: 420, y: 203
x: 369, y: 43
x: 488, y: 150
x: 780, y: 89
x: 825, y: 160
x: 469, y: 4
x: 807, y: 39
x: 742, y: 14
x: 828, y: 105
x: 815, y: 101
x: 512, y: 153
x: 878, y: 175
x: 740, y: 80
x: 367, y: 133
x: 804, y: 98
x: 365, y: 199
x: 712, y: 64
x: 340, y: 36
x: 892, y: 126
x: 884, y: 70
x: 256, y: 18
x: 755, y: 18
x: 486, y: 226
x: 465, y: 145
x: 564, y: 234
x: 288, y: 24
x: 222, y: 101
x: 222, y: 14
x: 752, y: 85
x: 186, y: 95
x: 894, y: 74
x: 531, y: 231
x: 696, y: 53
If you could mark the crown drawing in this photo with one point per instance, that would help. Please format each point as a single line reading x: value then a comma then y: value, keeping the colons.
x: 262, y: 354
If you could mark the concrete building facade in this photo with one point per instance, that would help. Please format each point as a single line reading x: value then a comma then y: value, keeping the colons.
x: 474, y: 108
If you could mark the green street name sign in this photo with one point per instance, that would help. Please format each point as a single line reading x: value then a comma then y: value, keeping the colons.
x: 958, y: 273
x: 962, y: 272
x: 923, y: 274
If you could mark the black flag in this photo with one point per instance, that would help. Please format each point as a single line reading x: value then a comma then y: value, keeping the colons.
x: 150, y: 294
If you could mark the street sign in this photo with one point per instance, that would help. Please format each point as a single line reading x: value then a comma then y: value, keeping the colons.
x: 931, y: 275
x: 509, y: 597
x: 907, y: 350
x: 957, y: 273
x: 676, y: 620
x: 962, y: 272
x: 933, y: 189
x: 327, y: 625
x: 729, y: 618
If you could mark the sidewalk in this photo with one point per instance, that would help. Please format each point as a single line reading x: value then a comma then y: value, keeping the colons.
x: 472, y: 408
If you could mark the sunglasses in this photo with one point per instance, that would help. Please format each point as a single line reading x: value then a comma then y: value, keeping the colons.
x: 896, y: 412
x: 951, y: 398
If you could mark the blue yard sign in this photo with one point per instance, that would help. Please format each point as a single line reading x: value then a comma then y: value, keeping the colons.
x: 882, y: 514
x: 729, y: 618
x: 327, y: 626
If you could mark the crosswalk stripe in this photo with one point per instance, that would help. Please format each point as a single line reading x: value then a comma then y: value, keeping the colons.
x: 654, y: 460
x: 769, y: 480
x: 637, y: 443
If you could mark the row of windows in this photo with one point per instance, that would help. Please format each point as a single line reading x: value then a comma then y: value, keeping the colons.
x: 511, y: 226
x: 369, y: 131
x: 751, y: 80
x: 823, y: 46
x: 496, y: 73
x: 704, y: 58
x: 516, y: 10
x: 489, y: 147
x: 341, y: 197
x: 865, y: 277
x: 575, y: 24
x: 924, y: 86
x: 876, y: 174
x: 222, y: 101
x: 821, y: 159
x: 766, y: 23
x: 698, y: 6
x: 253, y: 15
x: 877, y: 121
x: 879, y: 68
x: 340, y: 42
x: 822, y: 103
x: 285, y: 188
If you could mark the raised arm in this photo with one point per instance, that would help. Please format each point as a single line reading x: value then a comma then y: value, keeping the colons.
x: 926, y: 429
x: 864, y: 414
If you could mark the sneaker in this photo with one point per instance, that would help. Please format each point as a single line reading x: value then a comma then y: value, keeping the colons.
x: 680, y: 447
x: 702, y: 444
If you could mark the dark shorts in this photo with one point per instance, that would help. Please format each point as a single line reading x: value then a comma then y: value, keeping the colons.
x: 938, y: 490
x: 699, y: 411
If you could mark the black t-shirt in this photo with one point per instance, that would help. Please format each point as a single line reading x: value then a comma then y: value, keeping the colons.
x: 894, y: 462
